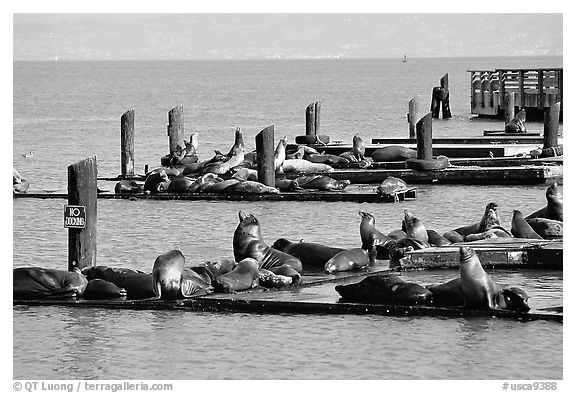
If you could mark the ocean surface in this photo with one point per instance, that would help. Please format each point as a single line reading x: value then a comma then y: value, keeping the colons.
x: 67, y: 111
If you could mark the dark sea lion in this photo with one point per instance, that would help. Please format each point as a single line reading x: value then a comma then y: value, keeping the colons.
x: 37, y: 283
x: 453, y: 236
x: 267, y: 279
x: 154, y: 180
x: 297, y: 154
x: 520, y: 228
x: 127, y: 187
x: 310, y: 254
x: 248, y: 243
x: 167, y: 275
x: 351, y: 259
x: 180, y: 185
x: 137, y: 284
x: 169, y: 170
x: 322, y: 183
x: 102, y: 289
x: 329, y: 159
x: 369, y: 233
x: 391, y: 185
x: 397, y: 249
x: 218, y: 187
x: 548, y: 229
x: 488, y: 220
x: 479, y: 290
x: 554, y: 210
x: 244, y: 276
x: 197, y: 281
x: 356, y: 154
x: 19, y: 184
x: 397, y: 234
x: 385, y: 289
x: 287, y: 185
x: 414, y: 228
x: 435, y: 239
x: 393, y: 153
x: 250, y: 187
x: 516, y: 125
x: 234, y: 157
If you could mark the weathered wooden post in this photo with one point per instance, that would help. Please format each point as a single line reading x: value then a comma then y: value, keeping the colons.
x: 265, y: 156
x: 313, y: 118
x: 175, y: 128
x: 508, y: 107
x: 413, y: 115
x: 80, y: 213
x: 551, y: 120
x: 127, y: 144
x: 424, y: 135
x: 446, y: 114
x: 441, y: 97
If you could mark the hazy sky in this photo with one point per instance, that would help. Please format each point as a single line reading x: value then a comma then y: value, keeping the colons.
x: 282, y: 35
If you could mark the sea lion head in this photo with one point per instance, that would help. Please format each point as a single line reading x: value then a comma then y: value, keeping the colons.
x: 515, y: 299
x: 490, y: 218
x: 554, y: 193
x: 281, y: 244
x: 367, y: 217
x: 248, y: 225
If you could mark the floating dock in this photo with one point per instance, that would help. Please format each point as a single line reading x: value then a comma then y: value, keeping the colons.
x: 532, y: 138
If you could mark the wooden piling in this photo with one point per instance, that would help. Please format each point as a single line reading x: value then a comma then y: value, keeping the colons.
x: 265, y: 156
x: 317, y: 106
x: 551, y: 120
x: 446, y: 114
x: 127, y: 144
x: 413, y: 115
x: 82, y: 191
x: 313, y: 118
x: 175, y: 128
x: 508, y: 107
x: 424, y: 135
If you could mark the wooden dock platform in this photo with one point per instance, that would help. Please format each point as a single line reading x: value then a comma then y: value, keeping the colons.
x: 491, y: 139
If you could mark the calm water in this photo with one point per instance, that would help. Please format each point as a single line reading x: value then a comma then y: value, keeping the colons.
x: 66, y: 111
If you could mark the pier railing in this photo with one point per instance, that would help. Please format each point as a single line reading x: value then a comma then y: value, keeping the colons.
x: 535, y: 89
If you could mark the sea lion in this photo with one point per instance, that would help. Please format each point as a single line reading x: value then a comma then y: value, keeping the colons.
x: 180, y: 185
x: 397, y: 234
x: 167, y: 275
x: 353, y: 258
x: 234, y: 157
x: 310, y: 254
x: 385, y: 289
x: 280, y: 154
x: 298, y: 154
x: 197, y: 281
x: 369, y: 233
x: 520, y: 228
x: 555, y: 206
x: 356, y: 154
x: 267, y: 279
x: 329, y: 159
x: 548, y: 229
x: 453, y: 236
x: 222, y: 186
x: 127, y: 187
x: 287, y: 185
x: 451, y: 294
x: 154, y: 180
x: 478, y: 288
x: 489, y: 220
x: 37, y: 283
x: 137, y: 284
x: 393, y: 153
x: 250, y: 187
x: 321, y: 183
x: 102, y: 289
x: 19, y: 184
x: 437, y: 240
x: 245, y: 174
x: 398, y: 248
x: 304, y: 166
x: 414, y: 227
x: 248, y: 243
x: 516, y: 125
x: 391, y: 185
x: 244, y: 276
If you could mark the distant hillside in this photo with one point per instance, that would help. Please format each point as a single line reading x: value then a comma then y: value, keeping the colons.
x: 246, y: 36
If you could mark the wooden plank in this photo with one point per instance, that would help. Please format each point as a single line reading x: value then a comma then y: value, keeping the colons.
x: 534, y: 137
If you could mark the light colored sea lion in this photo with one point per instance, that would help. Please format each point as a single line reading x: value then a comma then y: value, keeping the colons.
x: 492, y: 233
x: 321, y: 183
x: 304, y: 166
x: 554, y: 210
x: 393, y: 153
x: 19, y: 184
x: 169, y: 170
x: 391, y: 185
x: 248, y: 243
x: 329, y: 159
x: 478, y: 288
x: 488, y: 220
x: 414, y: 228
x: 310, y: 254
x: 516, y: 125
x: 245, y: 174
x: 102, y: 289
x: 369, y: 233
x: 267, y: 279
x: 137, y: 284
x: 385, y: 289
x: 127, y: 187
x: 234, y: 157
x: 353, y: 258
x: 197, y: 281
x: 548, y: 229
x: 167, y: 275
x: 397, y: 234
x: 520, y: 228
x: 244, y: 276
x: 37, y: 283
x: 250, y: 187
x: 280, y: 154
x: 218, y: 187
